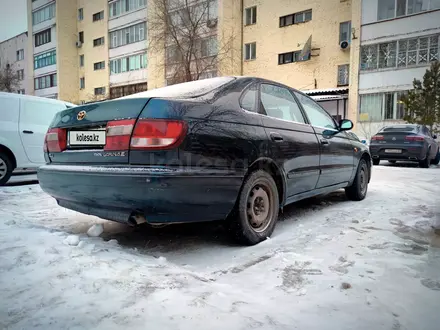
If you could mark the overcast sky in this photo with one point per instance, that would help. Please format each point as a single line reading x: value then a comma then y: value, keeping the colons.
x: 13, y: 18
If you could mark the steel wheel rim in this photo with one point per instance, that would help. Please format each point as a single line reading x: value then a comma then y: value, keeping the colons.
x: 363, y: 180
x: 258, y: 209
x: 3, y: 168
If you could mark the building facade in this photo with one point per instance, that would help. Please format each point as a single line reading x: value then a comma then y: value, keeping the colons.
x: 85, y: 51
x: 13, y: 53
x: 399, y: 39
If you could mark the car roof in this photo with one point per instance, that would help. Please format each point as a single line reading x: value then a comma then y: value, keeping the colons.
x: 35, y: 98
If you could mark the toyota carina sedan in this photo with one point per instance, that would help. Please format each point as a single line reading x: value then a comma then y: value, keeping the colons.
x: 232, y: 148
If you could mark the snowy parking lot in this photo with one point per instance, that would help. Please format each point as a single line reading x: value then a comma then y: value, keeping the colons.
x: 330, y: 264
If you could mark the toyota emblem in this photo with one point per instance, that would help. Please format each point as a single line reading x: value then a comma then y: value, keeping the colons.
x: 81, y: 115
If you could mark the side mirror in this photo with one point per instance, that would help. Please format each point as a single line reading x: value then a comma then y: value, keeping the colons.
x: 345, y: 125
x: 434, y: 137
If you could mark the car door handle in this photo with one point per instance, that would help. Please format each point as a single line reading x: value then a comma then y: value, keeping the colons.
x: 324, y: 142
x: 276, y: 137
x: 28, y: 132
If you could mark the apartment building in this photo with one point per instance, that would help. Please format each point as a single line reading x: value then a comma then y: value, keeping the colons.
x: 399, y: 39
x: 12, y: 59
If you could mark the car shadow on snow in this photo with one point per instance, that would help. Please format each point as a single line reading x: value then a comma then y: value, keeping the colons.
x: 405, y: 164
x: 193, y: 236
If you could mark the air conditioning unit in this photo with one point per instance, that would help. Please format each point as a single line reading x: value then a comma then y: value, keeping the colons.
x: 211, y: 23
x: 78, y: 44
x: 344, y: 45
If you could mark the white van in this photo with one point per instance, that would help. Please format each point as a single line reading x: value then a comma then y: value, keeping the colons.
x: 24, y: 121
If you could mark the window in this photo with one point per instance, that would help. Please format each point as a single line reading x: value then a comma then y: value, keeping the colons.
x: 120, y: 7
x: 249, y: 99
x: 81, y: 60
x: 208, y: 46
x: 98, y: 42
x: 43, y: 14
x: 21, y: 91
x: 120, y: 91
x: 98, y: 16
x: 20, y: 74
x: 81, y: 37
x: 250, y: 51
x: 82, y: 83
x: 45, y: 81
x: 45, y: 59
x: 99, y: 65
x: 301, y: 17
x: 130, y: 63
x: 173, y: 55
x: 80, y: 14
x: 100, y: 91
x: 397, y: 8
x: 317, y: 116
x: 382, y: 106
x: 128, y: 35
x: 343, y: 74
x: 278, y: 102
x: 402, y: 53
x: 42, y: 37
x: 20, y: 54
x: 289, y: 57
x: 251, y: 15
x: 345, y: 31
x: 385, y: 9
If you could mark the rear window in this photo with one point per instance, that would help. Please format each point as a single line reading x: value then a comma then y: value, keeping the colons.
x: 185, y: 90
x: 401, y: 128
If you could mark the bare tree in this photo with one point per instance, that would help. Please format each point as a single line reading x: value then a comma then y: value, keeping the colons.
x: 188, y: 32
x: 9, y: 79
x: 368, y: 128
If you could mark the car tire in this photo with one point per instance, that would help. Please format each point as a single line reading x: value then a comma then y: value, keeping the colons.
x: 5, y: 168
x: 376, y: 161
x: 426, y: 162
x: 256, y: 213
x: 392, y: 161
x: 436, y: 160
x: 358, y: 189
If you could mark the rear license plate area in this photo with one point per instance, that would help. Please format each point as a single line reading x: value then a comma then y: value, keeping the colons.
x: 87, y: 138
x: 393, y: 151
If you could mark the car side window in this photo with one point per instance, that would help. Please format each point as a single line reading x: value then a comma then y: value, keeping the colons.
x: 427, y: 132
x: 279, y: 103
x: 317, y: 116
x: 249, y: 99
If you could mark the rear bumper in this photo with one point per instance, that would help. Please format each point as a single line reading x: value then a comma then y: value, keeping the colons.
x: 415, y: 153
x: 161, y: 194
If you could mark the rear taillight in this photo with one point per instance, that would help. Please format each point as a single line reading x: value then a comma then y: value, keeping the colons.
x: 378, y: 138
x: 414, y: 138
x: 55, y: 140
x: 157, y: 134
x: 118, y: 134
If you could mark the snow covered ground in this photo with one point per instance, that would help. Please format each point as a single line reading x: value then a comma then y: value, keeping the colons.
x: 331, y: 264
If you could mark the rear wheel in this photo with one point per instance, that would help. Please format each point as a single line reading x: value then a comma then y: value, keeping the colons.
x: 426, y: 162
x: 5, y: 168
x: 376, y: 161
x: 256, y: 213
x: 358, y: 189
x: 436, y: 160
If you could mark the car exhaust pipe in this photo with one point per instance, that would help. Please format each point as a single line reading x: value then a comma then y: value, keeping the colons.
x: 136, y: 219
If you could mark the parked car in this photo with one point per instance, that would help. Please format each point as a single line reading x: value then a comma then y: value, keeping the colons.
x: 24, y: 121
x: 408, y: 142
x: 233, y: 148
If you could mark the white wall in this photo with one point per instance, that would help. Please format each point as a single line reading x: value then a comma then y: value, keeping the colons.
x: 131, y: 77
x: 44, y: 25
x: 389, y: 80
x: 47, y: 92
x: 45, y: 70
x: 130, y: 18
x: 127, y: 49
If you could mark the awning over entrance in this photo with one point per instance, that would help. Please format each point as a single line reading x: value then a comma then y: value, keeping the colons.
x: 334, y: 100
